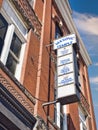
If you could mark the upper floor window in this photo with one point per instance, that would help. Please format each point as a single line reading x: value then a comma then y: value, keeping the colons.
x: 58, y: 32
x: 82, y: 117
x: 3, y: 29
x: 14, y: 53
x: 12, y: 39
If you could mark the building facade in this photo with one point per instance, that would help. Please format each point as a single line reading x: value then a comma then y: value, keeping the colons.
x: 28, y: 68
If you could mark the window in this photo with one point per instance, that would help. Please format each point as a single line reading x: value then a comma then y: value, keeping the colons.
x: 12, y: 39
x: 10, y: 47
x: 82, y: 120
x: 3, y: 29
x: 58, y: 32
x: 14, y: 53
x: 82, y: 125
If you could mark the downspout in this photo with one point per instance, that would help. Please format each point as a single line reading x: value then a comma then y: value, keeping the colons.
x: 49, y: 77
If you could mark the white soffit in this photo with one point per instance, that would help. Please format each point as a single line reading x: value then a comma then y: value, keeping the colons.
x: 65, y: 10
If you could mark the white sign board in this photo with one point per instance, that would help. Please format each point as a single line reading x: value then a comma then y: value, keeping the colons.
x: 64, y: 41
x: 64, y: 51
x: 67, y: 91
x: 68, y: 94
x: 65, y: 79
x: 68, y: 68
x: 64, y: 60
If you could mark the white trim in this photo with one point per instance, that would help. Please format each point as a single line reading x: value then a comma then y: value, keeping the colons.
x: 7, y: 43
x: 19, y: 66
x: 65, y: 117
x: 6, y: 8
x: 12, y: 8
x: 12, y: 17
x: 63, y: 8
x: 17, y: 30
x: 82, y: 119
x: 58, y: 114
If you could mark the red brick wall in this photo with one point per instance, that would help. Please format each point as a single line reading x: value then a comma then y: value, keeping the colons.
x: 39, y: 8
x: 43, y: 86
x: 31, y: 63
x: 73, y: 117
x: 1, y: 3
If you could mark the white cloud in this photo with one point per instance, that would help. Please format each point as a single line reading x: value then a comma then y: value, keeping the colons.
x: 86, y: 23
x: 95, y: 64
x: 94, y: 80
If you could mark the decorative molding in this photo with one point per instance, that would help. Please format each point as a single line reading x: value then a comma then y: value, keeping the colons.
x: 41, y: 125
x: 15, y: 107
x: 84, y: 104
x: 28, y: 15
x: 19, y: 85
x: 14, y: 92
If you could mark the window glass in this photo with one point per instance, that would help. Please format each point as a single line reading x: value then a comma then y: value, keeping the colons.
x: 11, y: 63
x: 3, y: 29
x: 16, y: 45
x: 82, y: 120
x: 58, y: 32
x: 61, y: 121
x: 14, y: 53
x: 1, y: 128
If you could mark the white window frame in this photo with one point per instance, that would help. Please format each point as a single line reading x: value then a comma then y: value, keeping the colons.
x: 82, y: 120
x: 15, y: 25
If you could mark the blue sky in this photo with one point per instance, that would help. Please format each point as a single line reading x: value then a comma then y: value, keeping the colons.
x: 85, y: 15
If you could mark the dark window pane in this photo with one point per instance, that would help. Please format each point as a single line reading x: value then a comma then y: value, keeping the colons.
x: 1, y: 128
x: 16, y: 45
x: 58, y: 32
x: 3, y: 29
x: 11, y: 63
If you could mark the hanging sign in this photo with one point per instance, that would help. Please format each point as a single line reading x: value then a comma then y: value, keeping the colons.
x: 64, y: 51
x: 64, y: 41
x: 65, y: 79
x: 67, y: 91
x: 65, y: 69
x: 65, y: 59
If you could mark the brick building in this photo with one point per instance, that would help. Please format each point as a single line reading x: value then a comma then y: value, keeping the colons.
x: 28, y: 68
